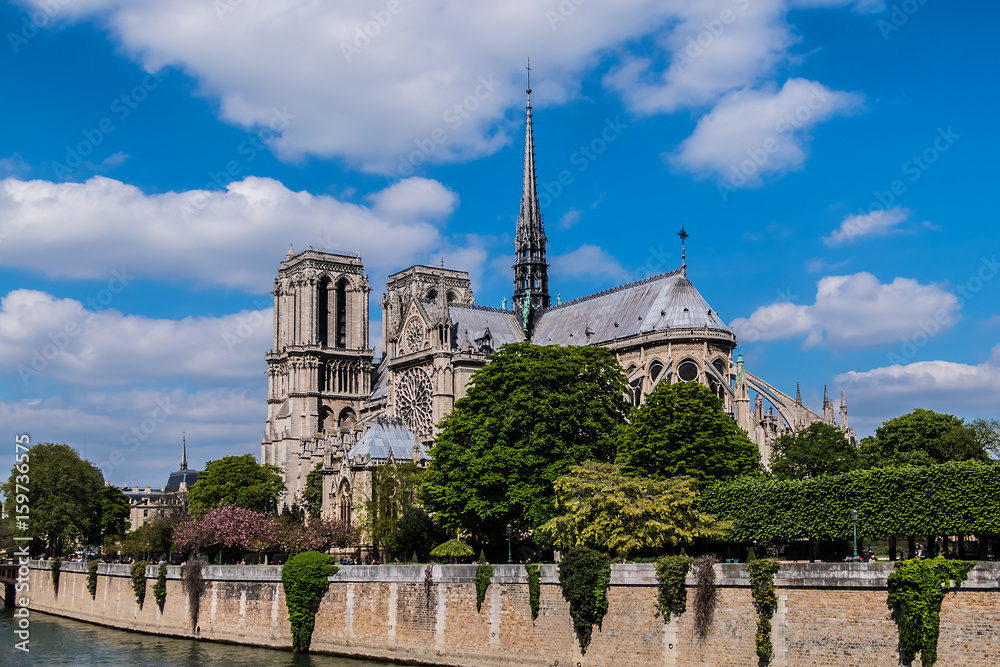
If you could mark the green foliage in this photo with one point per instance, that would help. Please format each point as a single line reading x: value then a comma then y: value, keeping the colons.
x: 92, y: 578
x: 110, y: 513
x: 819, y: 449
x: 584, y: 575
x: 394, y: 492
x: 483, y: 575
x: 312, y: 494
x: 452, y: 549
x: 986, y: 433
x: 681, y: 430
x: 706, y: 597
x: 949, y: 499
x: 417, y: 534
x: 923, y: 437
x: 605, y: 510
x: 239, y: 481
x: 528, y: 416
x: 61, y: 492
x: 160, y: 587
x: 305, y: 580
x: 671, y: 573
x: 139, y: 581
x: 534, y: 588
x: 155, y: 536
x: 916, y: 590
x: 56, y: 569
x: 194, y: 585
x: 763, y: 591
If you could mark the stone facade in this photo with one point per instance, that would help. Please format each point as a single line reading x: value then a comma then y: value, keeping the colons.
x: 828, y: 614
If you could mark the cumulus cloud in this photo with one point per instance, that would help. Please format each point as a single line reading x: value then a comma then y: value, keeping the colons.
x: 588, y: 261
x: 233, y: 237
x: 876, y: 223
x: 855, y: 311
x: 750, y: 133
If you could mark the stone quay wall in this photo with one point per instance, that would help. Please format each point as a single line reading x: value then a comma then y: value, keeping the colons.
x: 828, y: 614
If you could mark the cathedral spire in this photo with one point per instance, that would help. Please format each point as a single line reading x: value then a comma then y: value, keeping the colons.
x: 684, y: 267
x: 531, y: 280
x: 184, y: 452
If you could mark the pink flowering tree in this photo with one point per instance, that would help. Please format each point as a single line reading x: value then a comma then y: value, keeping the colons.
x: 317, y: 535
x: 227, y: 530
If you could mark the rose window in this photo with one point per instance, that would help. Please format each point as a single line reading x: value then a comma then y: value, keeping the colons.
x: 413, y: 400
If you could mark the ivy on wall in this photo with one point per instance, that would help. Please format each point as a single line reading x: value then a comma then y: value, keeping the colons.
x: 160, y: 587
x: 706, y: 597
x: 916, y: 591
x: 765, y: 600
x: 194, y: 585
x: 305, y: 580
x: 671, y: 573
x: 483, y: 575
x: 139, y: 581
x: 585, y: 575
x: 56, y: 568
x: 92, y: 578
x: 534, y: 588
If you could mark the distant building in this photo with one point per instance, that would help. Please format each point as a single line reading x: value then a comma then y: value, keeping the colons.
x: 147, y: 504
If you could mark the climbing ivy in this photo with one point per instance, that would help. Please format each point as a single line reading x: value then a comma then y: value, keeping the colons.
x: 671, y: 572
x: 534, y: 588
x: 139, y: 581
x: 916, y: 590
x: 92, y: 578
x: 763, y: 590
x: 56, y: 567
x: 305, y: 580
x: 194, y: 586
x: 160, y: 587
x: 584, y: 575
x: 483, y: 575
x: 706, y: 597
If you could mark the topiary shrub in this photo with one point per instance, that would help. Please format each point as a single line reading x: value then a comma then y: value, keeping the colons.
x: 916, y: 590
x: 483, y: 575
x: 194, y: 585
x: 305, y: 580
x: 160, y: 587
x: 56, y: 568
x: 706, y: 597
x: 534, y: 588
x: 764, y: 599
x: 92, y: 578
x: 139, y: 581
x: 671, y: 573
x: 584, y: 575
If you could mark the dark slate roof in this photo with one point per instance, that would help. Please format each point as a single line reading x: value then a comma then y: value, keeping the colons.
x: 658, y: 303
x: 503, y: 324
x: 387, y: 435
x: 189, y: 477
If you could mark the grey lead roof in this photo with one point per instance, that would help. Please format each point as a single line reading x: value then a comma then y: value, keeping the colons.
x: 503, y: 324
x: 659, y: 303
x: 385, y: 436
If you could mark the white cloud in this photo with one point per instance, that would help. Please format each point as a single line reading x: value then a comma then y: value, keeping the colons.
x: 855, y: 311
x: 876, y: 223
x: 588, y: 261
x: 754, y: 132
x: 233, y: 238
x: 568, y: 219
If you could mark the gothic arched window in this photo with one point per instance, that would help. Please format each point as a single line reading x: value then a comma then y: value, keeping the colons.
x: 342, y: 314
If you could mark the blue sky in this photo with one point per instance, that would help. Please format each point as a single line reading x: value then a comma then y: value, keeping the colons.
x: 833, y: 162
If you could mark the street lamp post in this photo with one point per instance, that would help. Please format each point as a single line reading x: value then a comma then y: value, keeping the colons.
x: 510, y: 530
x: 854, y: 520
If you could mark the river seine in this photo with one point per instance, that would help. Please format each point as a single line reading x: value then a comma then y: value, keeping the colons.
x: 59, y: 641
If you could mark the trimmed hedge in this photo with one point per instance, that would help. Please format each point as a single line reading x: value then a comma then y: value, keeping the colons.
x: 92, y: 578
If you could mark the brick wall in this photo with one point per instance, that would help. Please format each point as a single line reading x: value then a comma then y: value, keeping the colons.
x: 828, y: 614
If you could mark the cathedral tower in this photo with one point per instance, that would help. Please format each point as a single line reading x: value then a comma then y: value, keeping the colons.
x: 531, y: 278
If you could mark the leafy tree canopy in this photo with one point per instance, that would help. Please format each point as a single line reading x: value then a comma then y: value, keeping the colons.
x: 110, y: 512
x: 986, y: 433
x: 819, y: 449
x: 416, y: 534
x: 312, y: 494
x: 528, y: 416
x: 610, y: 512
x: 923, y: 437
x: 236, y: 481
x: 393, y: 491
x: 58, y: 488
x: 681, y: 430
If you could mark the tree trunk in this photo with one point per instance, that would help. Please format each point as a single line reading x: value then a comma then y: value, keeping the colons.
x: 911, y: 545
x: 892, y: 547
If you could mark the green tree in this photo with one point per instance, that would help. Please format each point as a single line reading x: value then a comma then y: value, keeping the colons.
x: 156, y: 536
x: 923, y: 437
x: 417, y: 534
x: 109, y: 509
x: 237, y: 481
x: 610, y: 512
x: 986, y: 433
x: 819, y: 449
x: 312, y: 494
x: 681, y: 430
x: 56, y: 486
x: 528, y: 416
x: 394, y: 490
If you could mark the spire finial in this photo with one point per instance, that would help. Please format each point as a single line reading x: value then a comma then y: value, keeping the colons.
x: 798, y: 394
x: 529, y: 76
x: 683, y: 234
x: 184, y: 451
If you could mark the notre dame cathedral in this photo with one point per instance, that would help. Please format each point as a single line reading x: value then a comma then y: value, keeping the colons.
x: 330, y: 403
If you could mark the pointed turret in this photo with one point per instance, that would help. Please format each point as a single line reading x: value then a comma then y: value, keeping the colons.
x: 827, y: 408
x: 531, y: 280
x: 290, y: 253
x: 798, y: 394
x: 184, y: 452
x: 843, y: 413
